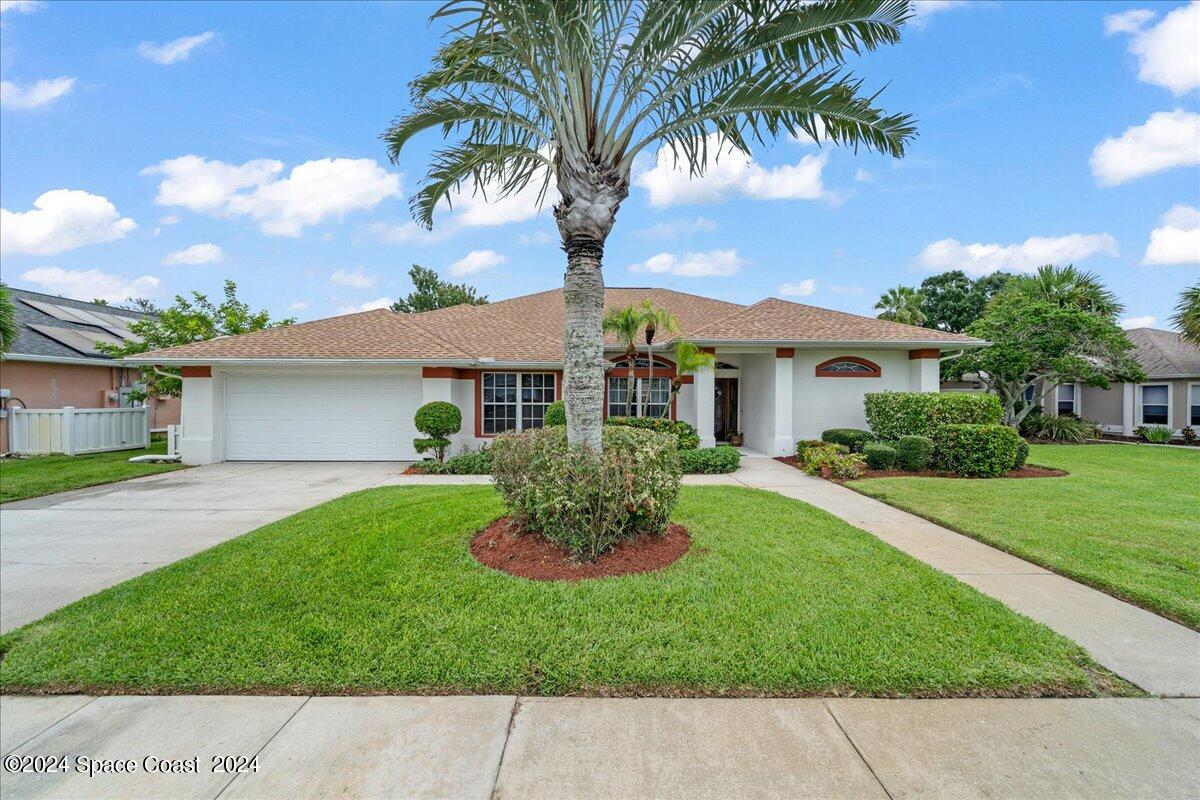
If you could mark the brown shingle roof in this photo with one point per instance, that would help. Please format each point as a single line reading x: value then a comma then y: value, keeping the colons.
x: 530, y: 329
x: 774, y: 320
x: 1164, y: 353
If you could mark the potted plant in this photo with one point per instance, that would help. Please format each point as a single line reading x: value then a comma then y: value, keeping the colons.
x: 735, y: 438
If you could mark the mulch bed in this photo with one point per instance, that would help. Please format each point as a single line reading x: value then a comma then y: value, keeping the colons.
x: 503, y: 546
x: 414, y: 470
x: 1027, y: 471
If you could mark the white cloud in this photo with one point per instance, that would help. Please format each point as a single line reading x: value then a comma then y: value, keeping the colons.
x: 314, y: 191
x: 924, y: 9
x: 803, y: 288
x: 683, y: 226
x: 1167, y: 139
x: 88, y: 284
x: 410, y: 232
x: 1139, y: 322
x: 476, y: 261
x: 175, y: 50
x: 1168, y: 53
x: 731, y: 173
x: 982, y: 259
x: 61, y: 220
x: 487, y: 208
x: 370, y: 305
x: 20, y: 6
x: 355, y: 279
x: 537, y: 237
x: 207, y: 253
x: 299, y: 305
x: 862, y: 176
x: 1177, y: 240
x: 169, y: 219
x: 44, y: 92
x: 693, y: 265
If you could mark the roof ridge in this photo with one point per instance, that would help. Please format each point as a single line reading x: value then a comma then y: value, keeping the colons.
x: 904, y: 325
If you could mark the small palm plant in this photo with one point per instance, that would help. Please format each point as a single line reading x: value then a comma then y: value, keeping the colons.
x: 626, y: 324
x: 654, y: 319
x: 567, y: 93
x: 688, y: 359
x: 1187, y: 314
x: 1069, y: 287
x: 8, y: 321
x: 902, y: 304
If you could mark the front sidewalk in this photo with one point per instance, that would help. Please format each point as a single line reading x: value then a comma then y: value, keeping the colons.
x: 508, y: 747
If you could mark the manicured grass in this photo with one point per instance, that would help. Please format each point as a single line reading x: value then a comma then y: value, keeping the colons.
x: 377, y: 592
x: 1126, y: 520
x: 35, y: 476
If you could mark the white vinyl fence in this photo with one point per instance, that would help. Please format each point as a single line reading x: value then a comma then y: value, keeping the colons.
x: 76, y: 431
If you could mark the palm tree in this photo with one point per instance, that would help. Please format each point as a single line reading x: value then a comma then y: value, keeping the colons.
x: 654, y: 319
x: 569, y: 92
x: 626, y: 324
x: 688, y: 359
x: 902, y: 304
x: 1187, y: 314
x: 1069, y: 286
x: 8, y: 322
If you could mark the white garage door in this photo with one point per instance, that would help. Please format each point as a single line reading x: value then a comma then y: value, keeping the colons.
x: 329, y: 417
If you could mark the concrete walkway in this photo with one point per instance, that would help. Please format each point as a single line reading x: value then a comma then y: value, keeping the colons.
x: 507, y: 747
x: 1158, y: 655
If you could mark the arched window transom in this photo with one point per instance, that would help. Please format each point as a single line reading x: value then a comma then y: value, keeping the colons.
x: 848, y: 367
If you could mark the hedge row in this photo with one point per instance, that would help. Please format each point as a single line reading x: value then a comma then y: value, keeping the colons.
x: 895, y: 414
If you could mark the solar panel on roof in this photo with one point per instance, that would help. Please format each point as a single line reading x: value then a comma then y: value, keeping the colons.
x: 79, y: 341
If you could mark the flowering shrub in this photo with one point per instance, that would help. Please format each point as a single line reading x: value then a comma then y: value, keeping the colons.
x: 832, y: 461
x: 583, y: 500
x: 684, y: 432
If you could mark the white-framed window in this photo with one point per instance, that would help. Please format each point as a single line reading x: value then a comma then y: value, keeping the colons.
x: 1155, y: 403
x: 515, y: 401
x: 618, y: 394
x: 1067, y: 401
x: 1194, y: 404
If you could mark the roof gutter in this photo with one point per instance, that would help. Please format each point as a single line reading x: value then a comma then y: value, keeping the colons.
x: 91, y: 362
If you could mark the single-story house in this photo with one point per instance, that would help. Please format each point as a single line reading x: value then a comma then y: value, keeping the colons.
x: 54, y: 362
x: 1170, y: 395
x: 346, y: 388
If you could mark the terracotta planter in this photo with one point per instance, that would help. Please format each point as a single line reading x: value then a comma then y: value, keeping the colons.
x: 826, y: 472
x: 735, y: 439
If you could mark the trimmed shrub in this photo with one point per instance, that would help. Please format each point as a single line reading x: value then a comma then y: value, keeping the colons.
x: 1022, y: 454
x: 836, y: 458
x: 583, y: 500
x: 977, y: 451
x: 895, y: 414
x: 710, y: 460
x: 683, y: 432
x: 438, y: 421
x: 1060, y: 428
x: 556, y: 414
x: 469, y: 462
x: 1155, y: 434
x: 879, y: 455
x: 914, y: 453
x: 850, y: 437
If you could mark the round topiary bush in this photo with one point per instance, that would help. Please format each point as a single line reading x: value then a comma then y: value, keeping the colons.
x: 879, y: 455
x: 583, y: 500
x: 913, y: 453
x: 438, y: 421
x: 556, y: 414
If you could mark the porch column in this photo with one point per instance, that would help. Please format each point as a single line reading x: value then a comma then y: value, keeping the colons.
x: 924, y: 370
x: 783, y: 444
x: 200, y: 415
x: 704, y: 388
x: 1128, y: 406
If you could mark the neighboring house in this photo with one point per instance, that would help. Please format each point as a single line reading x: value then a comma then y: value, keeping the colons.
x: 1170, y: 395
x: 55, y: 363
x: 346, y: 388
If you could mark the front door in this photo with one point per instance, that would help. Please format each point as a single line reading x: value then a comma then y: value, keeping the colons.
x: 725, y: 406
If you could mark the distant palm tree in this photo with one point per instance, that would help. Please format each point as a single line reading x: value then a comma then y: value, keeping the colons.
x: 8, y: 321
x: 1069, y: 287
x: 688, y: 359
x: 902, y: 304
x: 568, y: 93
x: 626, y: 325
x: 654, y: 319
x: 1187, y: 314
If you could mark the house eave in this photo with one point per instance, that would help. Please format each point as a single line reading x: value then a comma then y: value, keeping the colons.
x: 83, y: 360
x: 890, y: 344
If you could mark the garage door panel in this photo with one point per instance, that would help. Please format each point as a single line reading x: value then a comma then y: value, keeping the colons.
x: 320, y: 417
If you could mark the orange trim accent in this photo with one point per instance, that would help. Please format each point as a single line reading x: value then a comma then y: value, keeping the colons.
x: 195, y: 372
x: 440, y: 372
x: 709, y: 350
x: 785, y: 352
x: 927, y: 352
x: 687, y: 379
x: 874, y: 373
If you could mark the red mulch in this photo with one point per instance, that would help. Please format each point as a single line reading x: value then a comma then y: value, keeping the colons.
x: 1027, y: 471
x: 414, y: 470
x: 503, y: 546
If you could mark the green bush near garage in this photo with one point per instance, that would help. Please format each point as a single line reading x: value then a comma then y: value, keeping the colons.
x: 717, y: 460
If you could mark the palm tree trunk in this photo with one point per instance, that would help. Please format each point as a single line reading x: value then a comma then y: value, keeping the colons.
x: 631, y: 381
x: 649, y: 379
x: 583, y: 367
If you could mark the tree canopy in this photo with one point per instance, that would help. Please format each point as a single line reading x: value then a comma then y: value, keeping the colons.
x: 951, y: 300
x: 188, y: 320
x: 1187, y: 314
x: 431, y: 293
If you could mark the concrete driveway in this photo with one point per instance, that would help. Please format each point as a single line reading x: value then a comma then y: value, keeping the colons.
x: 59, y: 548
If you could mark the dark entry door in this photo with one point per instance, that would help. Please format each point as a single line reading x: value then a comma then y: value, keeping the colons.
x: 725, y: 405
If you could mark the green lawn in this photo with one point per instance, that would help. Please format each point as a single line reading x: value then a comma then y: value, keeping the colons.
x: 38, y: 475
x: 1126, y: 520
x: 376, y: 591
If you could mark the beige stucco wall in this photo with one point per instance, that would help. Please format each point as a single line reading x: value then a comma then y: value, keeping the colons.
x: 1102, y: 405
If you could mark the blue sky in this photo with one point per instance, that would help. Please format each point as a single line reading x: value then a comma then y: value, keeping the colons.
x: 169, y: 146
